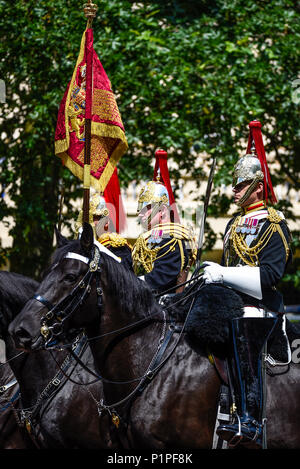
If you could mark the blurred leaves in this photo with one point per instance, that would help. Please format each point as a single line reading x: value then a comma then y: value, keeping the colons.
x: 186, y: 75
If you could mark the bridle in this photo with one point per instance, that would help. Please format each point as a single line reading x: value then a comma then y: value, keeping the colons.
x: 52, y: 327
x: 53, y: 321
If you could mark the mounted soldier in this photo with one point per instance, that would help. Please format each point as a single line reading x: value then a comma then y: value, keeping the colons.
x: 104, y: 230
x: 255, y: 256
x: 164, y: 253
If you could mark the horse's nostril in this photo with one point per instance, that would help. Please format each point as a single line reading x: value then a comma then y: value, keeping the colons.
x: 21, y: 337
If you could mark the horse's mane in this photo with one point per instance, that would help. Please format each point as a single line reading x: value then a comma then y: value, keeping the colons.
x: 15, y: 290
x: 131, y: 294
x: 134, y: 295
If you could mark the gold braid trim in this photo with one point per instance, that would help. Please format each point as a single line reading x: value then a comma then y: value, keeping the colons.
x: 181, y: 254
x: 145, y: 256
x: 114, y: 240
x: 249, y: 255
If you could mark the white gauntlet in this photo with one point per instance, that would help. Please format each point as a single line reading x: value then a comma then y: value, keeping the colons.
x: 244, y: 278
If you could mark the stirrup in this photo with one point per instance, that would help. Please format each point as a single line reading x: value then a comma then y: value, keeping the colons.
x: 237, y: 438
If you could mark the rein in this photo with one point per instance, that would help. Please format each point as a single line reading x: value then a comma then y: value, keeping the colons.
x: 6, y: 387
x: 28, y: 416
x: 66, y: 307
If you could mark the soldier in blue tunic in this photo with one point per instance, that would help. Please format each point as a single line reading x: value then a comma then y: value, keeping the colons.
x: 255, y: 256
x: 163, y: 254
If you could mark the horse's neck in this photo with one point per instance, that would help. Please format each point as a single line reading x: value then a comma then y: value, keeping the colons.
x: 128, y: 352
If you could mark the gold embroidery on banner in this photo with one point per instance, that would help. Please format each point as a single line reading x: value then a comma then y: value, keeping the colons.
x: 101, y: 148
x: 105, y: 106
x: 77, y: 105
x: 113, y: 150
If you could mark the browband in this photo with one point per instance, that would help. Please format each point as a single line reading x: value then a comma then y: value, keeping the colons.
x: 74, y: 255
x: 86, y: 260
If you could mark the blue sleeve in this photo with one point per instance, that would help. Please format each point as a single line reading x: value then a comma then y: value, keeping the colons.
x: 124, y: 252
x: 272, y: 259
x: 166, y: 268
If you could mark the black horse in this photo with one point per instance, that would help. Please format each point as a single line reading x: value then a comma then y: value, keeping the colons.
x: 11, y: 434
x: 15, y: 290
x: 160, y: 388
x: 55, y: 411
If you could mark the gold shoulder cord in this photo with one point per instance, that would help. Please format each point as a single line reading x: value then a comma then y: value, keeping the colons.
x: 249, y: 255
x: 146, y: 256
x: 114, y: 240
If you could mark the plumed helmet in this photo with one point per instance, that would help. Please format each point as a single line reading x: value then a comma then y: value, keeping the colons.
x: 253, y: 166
x: 153, y: 192
x: 159, y: 191
x: 247, y: 168
x: 98, y: 206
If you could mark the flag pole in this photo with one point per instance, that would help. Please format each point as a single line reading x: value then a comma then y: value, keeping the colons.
x: 90, y: 10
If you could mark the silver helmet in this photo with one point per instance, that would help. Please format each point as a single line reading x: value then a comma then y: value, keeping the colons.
x: 248, y: 168
x: 98, y: 206
x: 153, y: 193
x: 253, y: 167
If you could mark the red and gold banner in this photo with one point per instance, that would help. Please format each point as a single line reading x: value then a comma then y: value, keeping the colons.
x: 98, y: 103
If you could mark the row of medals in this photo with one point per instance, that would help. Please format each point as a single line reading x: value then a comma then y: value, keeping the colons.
x: 250, y: 226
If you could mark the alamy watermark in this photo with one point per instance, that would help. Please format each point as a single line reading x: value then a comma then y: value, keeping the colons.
x: 2, y: 92
x: 295, y: 346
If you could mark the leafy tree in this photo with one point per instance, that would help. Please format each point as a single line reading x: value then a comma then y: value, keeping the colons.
x: 188, y: 76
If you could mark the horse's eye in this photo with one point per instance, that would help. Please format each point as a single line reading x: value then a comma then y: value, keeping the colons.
x: 70, y: 278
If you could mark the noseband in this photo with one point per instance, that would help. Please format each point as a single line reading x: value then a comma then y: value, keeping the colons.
x: 52, y: 322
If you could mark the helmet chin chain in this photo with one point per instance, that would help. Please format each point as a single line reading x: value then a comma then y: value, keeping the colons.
x: 249, y: 191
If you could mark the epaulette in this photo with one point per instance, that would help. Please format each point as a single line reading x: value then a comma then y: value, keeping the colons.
x: 275, y: 216
x: 113, y: 240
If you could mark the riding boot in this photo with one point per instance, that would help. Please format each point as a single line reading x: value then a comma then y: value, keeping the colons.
x: 248, y: 338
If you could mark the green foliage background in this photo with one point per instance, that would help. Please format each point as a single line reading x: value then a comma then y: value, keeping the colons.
x: 187, y: 75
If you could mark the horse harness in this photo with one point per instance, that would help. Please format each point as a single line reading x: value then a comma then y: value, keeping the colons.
x: 10, y: 402
x: 29, y: 417
x: 67, y: 306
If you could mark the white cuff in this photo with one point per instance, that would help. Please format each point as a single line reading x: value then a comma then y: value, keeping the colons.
x: 245, y: 279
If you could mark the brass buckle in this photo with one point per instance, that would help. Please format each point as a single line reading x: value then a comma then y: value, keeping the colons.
x: 93, y: 266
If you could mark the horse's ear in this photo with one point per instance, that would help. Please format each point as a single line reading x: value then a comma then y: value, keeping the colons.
x: 87, y: 238
x: 60, y: 239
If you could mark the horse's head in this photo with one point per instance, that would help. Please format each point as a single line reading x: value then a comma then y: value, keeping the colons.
x: 46, y: 318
